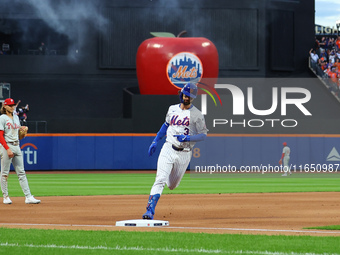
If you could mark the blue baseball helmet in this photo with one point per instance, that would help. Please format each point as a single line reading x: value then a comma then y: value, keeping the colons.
x: 190, y: 90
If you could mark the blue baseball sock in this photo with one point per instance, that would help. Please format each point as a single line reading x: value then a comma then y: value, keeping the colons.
x: 153, y: 199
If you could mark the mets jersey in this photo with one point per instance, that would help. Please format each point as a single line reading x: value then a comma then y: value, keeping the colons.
x: 184, y: 122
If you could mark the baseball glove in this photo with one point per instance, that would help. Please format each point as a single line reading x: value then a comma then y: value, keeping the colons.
x: 23, y: 132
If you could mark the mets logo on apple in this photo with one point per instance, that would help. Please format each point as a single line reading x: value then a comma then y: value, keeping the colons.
x: 30, y: 153
x: 184, y: 67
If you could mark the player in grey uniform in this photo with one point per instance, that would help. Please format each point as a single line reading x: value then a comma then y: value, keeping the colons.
x: 10, y: 152
x: 184, y: 126
x: 285, y: 159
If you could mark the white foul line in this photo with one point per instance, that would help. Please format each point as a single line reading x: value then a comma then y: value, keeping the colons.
x: 262, y: 230
x: 165, y: 249
x: 56, y: 225
x: 185, y: 228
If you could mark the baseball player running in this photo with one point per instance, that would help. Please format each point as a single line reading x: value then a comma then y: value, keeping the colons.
x: 184, y: 126
x: 285, y: 158
x: 10, y: 152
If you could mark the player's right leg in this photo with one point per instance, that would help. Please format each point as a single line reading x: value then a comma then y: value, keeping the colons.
x: 164, y: 167
x: 5, y: 167
x: 180, y: 166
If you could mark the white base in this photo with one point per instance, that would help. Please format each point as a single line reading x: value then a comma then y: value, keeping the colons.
x: 142, y: 223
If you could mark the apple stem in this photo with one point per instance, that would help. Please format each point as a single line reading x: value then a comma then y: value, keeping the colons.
x: 181, y: 33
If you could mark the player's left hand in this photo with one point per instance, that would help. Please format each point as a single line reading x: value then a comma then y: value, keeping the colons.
x: 280, y: 161
x: 183, y: 138
x: 152, y: 148
x: 23, y: 132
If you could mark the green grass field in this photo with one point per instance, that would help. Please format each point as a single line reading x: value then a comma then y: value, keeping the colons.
x: 128, y: 184
x: 36, y: 241
x: 332, y: 227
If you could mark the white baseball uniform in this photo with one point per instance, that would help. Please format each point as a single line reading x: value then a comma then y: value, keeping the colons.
x: 11, y: 134
x: 175, y: 156
x: 286, y: 158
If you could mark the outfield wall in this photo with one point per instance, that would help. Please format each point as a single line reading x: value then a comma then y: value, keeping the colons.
x: 130, y: 151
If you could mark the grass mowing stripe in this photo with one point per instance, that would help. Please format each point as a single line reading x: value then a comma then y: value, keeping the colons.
x: 129, y: 184
x: 165, y: 249
x: 117, y: 248
x: 331, y: 227
x: 161, y: 242
x: 307, y: 231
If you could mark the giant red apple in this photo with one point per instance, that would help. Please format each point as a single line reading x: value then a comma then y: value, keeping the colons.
x: 165, y: 64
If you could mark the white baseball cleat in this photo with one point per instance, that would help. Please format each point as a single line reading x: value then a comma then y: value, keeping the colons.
x: 284, y: 174
x: 7, y: 200
x: 31, y: 200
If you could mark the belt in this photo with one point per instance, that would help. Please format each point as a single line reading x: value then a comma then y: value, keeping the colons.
x: 15, y: 143
x: 176, y: 148
x: 180, y: 149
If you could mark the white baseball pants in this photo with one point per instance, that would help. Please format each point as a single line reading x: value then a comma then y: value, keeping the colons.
x: 171, y: 167
x: 285, y: 164
x: 18, y: 164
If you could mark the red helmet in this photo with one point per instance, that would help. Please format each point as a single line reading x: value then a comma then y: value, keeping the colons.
x: 9, y: 101
x: 284, y: 144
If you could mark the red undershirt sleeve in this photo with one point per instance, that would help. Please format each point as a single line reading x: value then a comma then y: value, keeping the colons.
x: 2, y: 140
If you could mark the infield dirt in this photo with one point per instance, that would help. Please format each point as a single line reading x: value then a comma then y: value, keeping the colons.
x: 254, y: 213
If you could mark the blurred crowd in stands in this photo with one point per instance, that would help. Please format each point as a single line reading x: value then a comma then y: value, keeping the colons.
x: 4, y: 49
x: 325, y: 60
x: 22, y: 113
